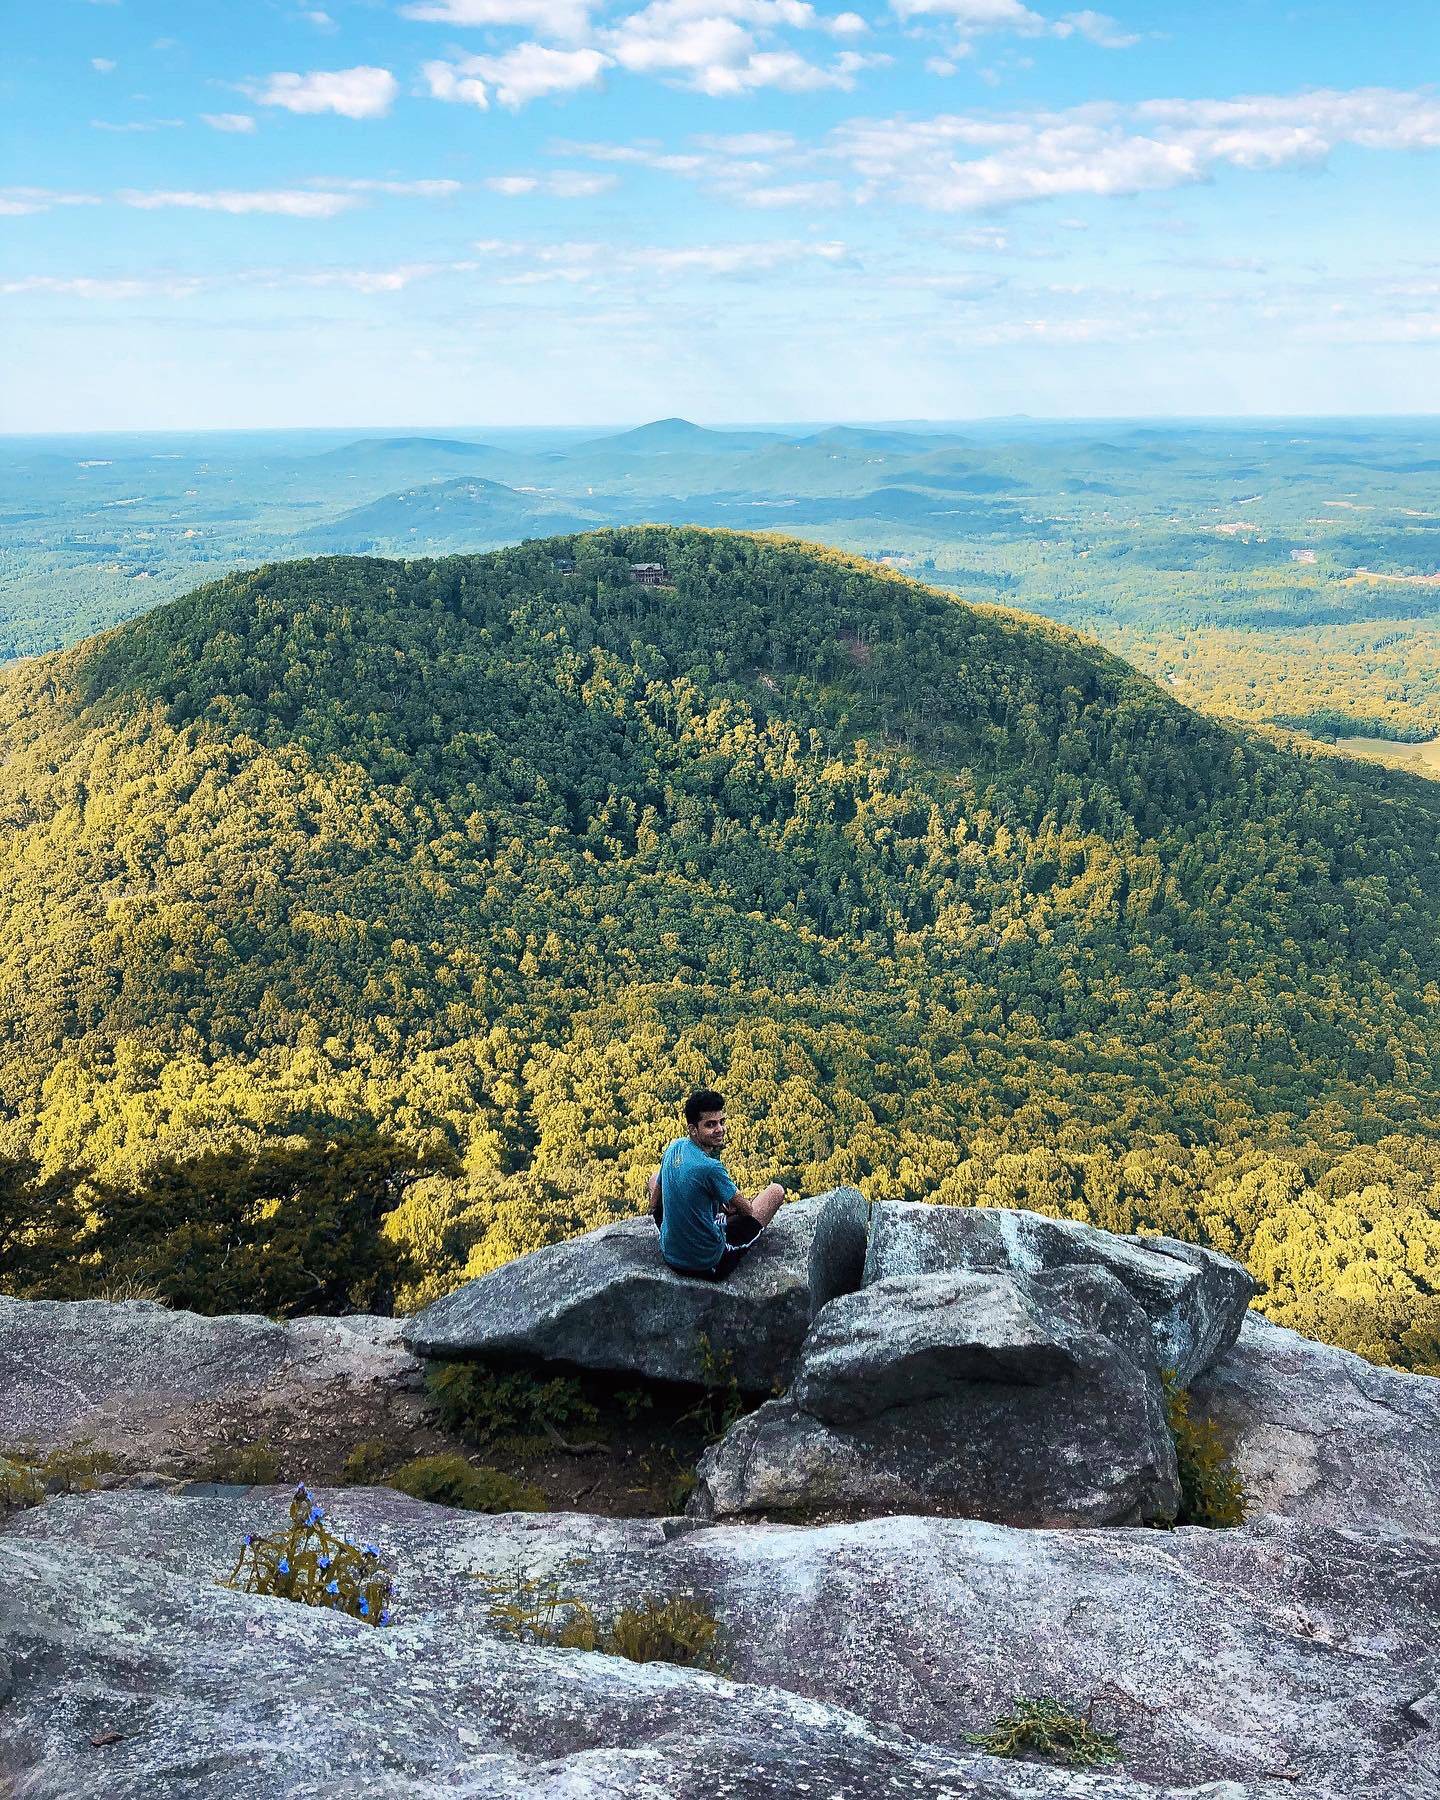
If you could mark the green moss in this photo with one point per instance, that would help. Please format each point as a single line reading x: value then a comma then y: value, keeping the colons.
x: 449, y: 1480
x: 1211, y: 1491
x: 1048, y: 1729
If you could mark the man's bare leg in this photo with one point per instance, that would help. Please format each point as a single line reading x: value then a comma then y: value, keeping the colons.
x: 762, y: 1207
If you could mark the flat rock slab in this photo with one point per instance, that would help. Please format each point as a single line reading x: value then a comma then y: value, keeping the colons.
x: 606, y: 1301
x: 1195, y: 1299
x: 143, y: 1382
x: 1274, y: 1660
x: 1320, y: 1434
x: 1031, y: 1400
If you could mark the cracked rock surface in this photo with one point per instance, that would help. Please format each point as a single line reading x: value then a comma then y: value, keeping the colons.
x: 1240, y: 1665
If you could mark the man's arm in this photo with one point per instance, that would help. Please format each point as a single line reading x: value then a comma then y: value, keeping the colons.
x: 657, y: 1206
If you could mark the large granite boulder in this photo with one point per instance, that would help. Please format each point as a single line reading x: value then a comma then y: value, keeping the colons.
x: 149, y: 1384
x: 1322, y: 1435
x: 1029, y: 1399
x: 607, y: 1301
x: 1195, y: 1299
x: 837, y: 1250
x: 1273, y: 1660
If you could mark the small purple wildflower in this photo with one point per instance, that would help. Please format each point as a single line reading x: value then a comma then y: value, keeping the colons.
x: 284, y: 1566
x: 332, y: 1587
x: 385, y: 1616
x: 364, y: 1607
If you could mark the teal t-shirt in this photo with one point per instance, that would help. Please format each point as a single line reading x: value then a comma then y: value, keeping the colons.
x: 693, y: 1188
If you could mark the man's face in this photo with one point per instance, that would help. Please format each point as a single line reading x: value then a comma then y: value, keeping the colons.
x: 709, y: 1131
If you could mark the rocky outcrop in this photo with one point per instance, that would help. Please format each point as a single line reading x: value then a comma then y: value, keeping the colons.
x: 1195, y: 1299
x: 607, y: 1301
x: 837, y: 1250
x: 1322, y: 1435
x: 1277, y: 1659
x: 142, y: 1381
x: 1034, y: 1400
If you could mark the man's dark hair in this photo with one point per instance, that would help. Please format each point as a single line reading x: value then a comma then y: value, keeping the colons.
x: 703, y: 1101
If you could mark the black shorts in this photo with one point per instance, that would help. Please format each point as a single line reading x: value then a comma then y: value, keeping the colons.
x: 741, y: 1231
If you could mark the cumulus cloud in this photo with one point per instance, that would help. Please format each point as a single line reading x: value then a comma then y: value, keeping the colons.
x: 528, y: 72
x: 102, y: 65
x: 713, y: 46
x: 236, y: 122
x: 287, y: 202
x: 359, y: 93
x: 16, y: 201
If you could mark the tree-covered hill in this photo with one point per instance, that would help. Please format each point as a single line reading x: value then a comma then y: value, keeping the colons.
x: 501, y: 854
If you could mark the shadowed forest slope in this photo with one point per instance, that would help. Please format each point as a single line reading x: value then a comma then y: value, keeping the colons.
x: 499, y: 855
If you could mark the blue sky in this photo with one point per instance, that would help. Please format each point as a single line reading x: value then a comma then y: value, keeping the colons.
x: 519, y: 212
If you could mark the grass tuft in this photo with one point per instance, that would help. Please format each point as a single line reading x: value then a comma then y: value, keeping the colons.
x: 1047, y: 1728
x: 672, y: 1628
x: 315, y: 1566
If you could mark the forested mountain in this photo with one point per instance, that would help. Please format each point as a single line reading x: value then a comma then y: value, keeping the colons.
x: 501, y: 854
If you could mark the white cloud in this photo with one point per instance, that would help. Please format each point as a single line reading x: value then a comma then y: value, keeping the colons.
x: 235, y: 122
x: 87, y: 287
x: 1105, y: 149
x: 528, y: 72
x: 565, y: 184
x: 380, y: 281
x: 138, y: 125
x: 319, y: 19
x: 102, y: 65
x: 16, y: 201
x: 286, y: 202
x: 713, y: 46
x: 1099, y: 27
x: 602, y: 262
x: 975, y: 15
x: 423, y: 190
x: 551, y: 18
x: 359, y: 93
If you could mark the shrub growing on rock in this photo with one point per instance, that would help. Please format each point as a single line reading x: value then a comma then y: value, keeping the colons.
x: 1211, y: 1491
x: 1047, y: 1728
x: 316, y: 1566
x: 482, y: 1403
x: 448, y: 1480
x: 28, y: 1475
x: 671, y: 1628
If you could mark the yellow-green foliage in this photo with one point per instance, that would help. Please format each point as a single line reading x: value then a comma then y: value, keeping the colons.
x: 448, y: 1480
x: 316, y: 1566
x: 675, y: 1628
x: 1049, y: 1729
x: 1211, y: 1491
x: 475, y: 855
x: 481, y: 1403
x: 28, y: 1474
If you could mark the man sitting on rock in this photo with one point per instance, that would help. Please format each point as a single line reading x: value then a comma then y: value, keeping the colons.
x: 706, y: 1224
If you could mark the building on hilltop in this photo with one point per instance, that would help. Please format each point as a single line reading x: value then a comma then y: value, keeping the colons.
x: 650, y: 575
